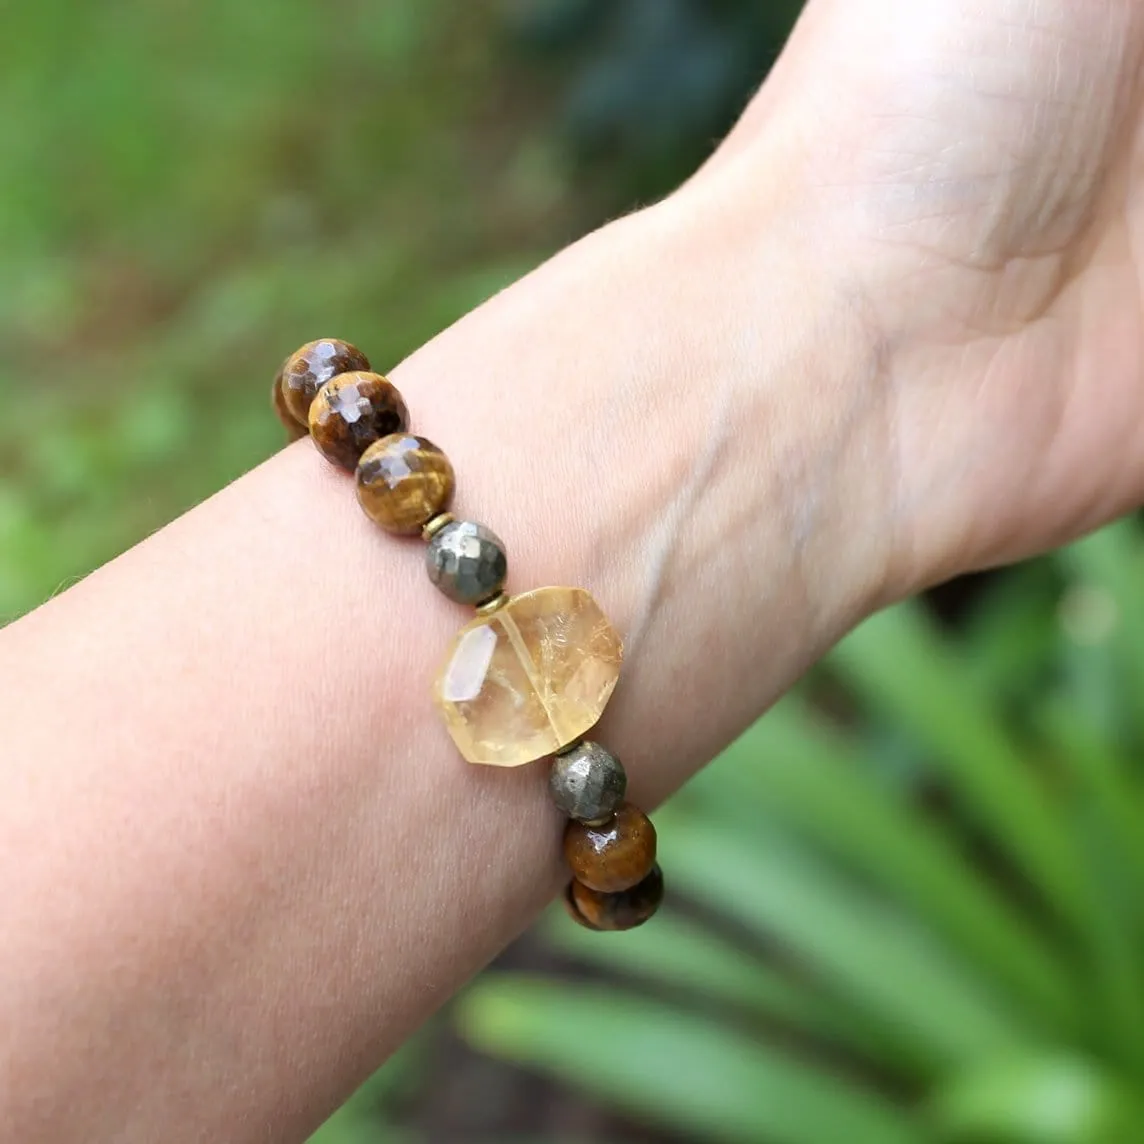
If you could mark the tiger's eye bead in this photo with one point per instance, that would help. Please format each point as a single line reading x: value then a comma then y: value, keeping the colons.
x: 620, y: 911
x: 587, y: 782
x: 614, y: 856
x: 309, y: 368
x: 466, y: 561
x: 403, y: 482
x: 294, y: 428
x: 351, y: 411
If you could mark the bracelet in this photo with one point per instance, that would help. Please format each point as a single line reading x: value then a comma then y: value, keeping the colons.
x: 531, y: 673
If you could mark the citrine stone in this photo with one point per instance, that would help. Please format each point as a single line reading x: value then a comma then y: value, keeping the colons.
x: 530, y: 678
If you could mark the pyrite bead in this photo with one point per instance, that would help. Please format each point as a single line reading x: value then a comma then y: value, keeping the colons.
x: 620, y: 911
x: 614, y: 856
x: 403, y: 482
x: 307, y: 369
x: 351, y: 411
x: 587, y: 782
x: 466, y: 561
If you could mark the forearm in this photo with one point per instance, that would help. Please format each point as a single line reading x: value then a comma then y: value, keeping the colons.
x: 241, y: 857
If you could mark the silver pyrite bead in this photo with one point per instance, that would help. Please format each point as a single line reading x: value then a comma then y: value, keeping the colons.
x: 466, y: 561
x: 587, y: 782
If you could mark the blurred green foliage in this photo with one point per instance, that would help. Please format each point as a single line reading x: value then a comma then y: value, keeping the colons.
x: 910, y: 899
x: 188, y: 191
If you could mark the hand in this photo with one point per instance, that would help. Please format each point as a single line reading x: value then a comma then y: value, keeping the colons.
x: 975, y: 172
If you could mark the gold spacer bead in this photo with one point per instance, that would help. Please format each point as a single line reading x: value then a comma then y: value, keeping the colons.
x: 603, y: 821
x: 569, y: 746
x: 493, y: 605
x: 436, y: 524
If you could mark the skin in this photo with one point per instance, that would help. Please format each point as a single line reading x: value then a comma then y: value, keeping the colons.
x: 890, y: 332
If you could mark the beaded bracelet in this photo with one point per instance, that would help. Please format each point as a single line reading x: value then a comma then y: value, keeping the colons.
x: 531, y: 673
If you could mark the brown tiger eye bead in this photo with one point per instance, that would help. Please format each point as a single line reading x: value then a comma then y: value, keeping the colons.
x: 403, y: 482
x: 308, y: 369
x: 621, y: 911
x: 351, y: 411
x: 294, y: 428
x: 614, y: 856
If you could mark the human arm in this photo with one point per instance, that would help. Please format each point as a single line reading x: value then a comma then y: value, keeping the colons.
x: 241, y: 859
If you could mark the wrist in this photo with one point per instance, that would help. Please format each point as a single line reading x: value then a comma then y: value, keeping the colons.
x: 690, y: 425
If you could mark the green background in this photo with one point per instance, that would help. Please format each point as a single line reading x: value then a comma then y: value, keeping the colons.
x: 907, y: 904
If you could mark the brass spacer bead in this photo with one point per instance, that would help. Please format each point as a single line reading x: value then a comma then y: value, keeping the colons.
x: 569, y: 746
x: 602, y: 821
x: 489, y: 606
x: 435, y: 525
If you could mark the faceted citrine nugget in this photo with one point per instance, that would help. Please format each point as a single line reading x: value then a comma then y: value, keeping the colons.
x: 530, y: 678
x: 351, y: 411
x: 403, y: 482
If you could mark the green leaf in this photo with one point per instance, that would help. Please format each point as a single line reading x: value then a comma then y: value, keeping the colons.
x: 1051, y: 1099
x: 793, y: 767
x: 897, y: 663
x: 1009, y: 635
x: 680, y: 953
x: 861, y: 949
x: 1110, y: 827
x: 1111, y: 562
x: 1101, y: 779
x: 674, y: 1068
x: 347, y: 1126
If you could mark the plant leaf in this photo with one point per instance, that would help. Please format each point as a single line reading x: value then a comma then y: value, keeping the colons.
x: 1110, y: 826
x: 1012, y: 643
x: 682, y: 954
x: 1112, y: 561
x: 899, y: 665
x: 1036, y: 1100
x: 861, y: 949
x: 799, y: 770
x: 701, y: 1079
